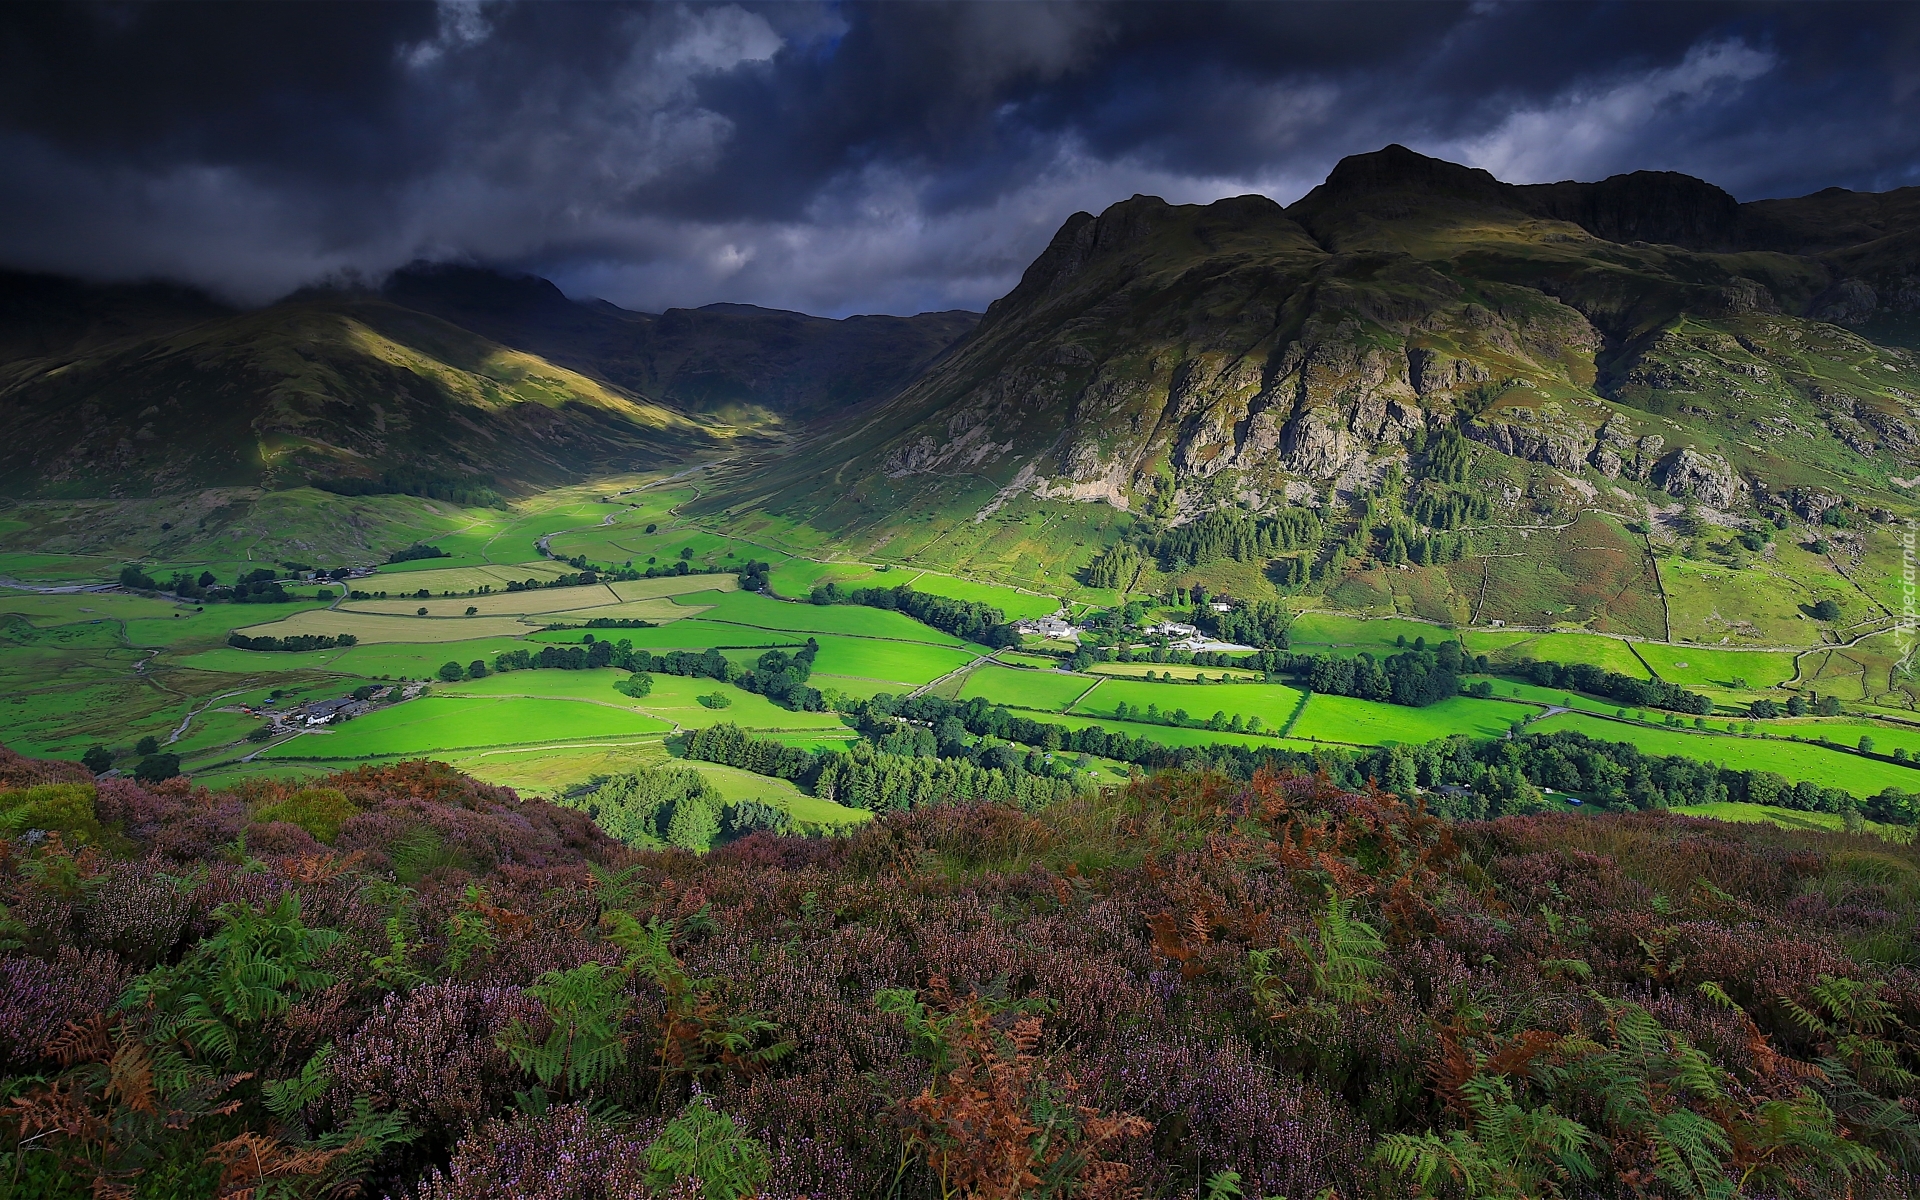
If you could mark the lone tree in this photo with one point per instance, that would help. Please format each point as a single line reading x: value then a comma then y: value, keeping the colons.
x: 1826, y: 610
x: 147, y: 745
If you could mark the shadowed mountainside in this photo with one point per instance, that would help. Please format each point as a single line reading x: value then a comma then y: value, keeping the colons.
x: 451, y: 373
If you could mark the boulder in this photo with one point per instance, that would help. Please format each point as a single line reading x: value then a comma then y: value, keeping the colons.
x: 1708, y: 478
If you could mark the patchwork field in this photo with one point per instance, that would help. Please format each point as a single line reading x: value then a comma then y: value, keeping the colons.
x: 108, y: 667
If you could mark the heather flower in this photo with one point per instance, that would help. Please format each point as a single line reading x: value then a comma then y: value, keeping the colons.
x: 39, y: 999
x: 431, y: 1055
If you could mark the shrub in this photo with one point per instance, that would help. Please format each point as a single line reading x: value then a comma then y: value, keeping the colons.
x: 319, y: 811
x: 636, y: 685
x: 156, y: 767
x: 63, y: 808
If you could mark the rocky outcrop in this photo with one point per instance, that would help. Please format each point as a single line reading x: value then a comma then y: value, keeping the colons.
x: 1432, y: 372
x: 1615, y: 451
x: 1708, y: 478
x: 1848, y: 302
x: 1810, y: 503
x: 1541, y: 434
x: 1645, y: 206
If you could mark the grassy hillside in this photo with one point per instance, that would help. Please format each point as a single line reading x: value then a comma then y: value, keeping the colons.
x: 1634, y: 406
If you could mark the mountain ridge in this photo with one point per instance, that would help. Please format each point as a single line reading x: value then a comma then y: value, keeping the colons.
x: 1243, y: 357
x: 458, y: 373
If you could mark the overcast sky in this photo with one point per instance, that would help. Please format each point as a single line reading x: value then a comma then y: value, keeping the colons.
x: 842, y: 158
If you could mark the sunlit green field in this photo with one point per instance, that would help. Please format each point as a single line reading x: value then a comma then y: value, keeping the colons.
x: 1510, y: 646
x: 1319, y: 632
x: 1273, y: 703
x: 1048, y: 691
x: 1016, y: 604
x: 1365, y: 723
x: 1788, y: 818
x: 755, y: 611
x: 434, y: 724
x: 1795, y: 760
x: 1701, y: 666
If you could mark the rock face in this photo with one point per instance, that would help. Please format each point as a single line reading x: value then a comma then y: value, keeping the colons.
x: 1848, y: 302
x: 1244, y: 349
x: 1707, y: 478
x: 1810, y: 503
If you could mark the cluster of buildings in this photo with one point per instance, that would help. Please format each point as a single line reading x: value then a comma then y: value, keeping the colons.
x: 1179, y: 636
x: 312, y: 714
x: 1056, y: 626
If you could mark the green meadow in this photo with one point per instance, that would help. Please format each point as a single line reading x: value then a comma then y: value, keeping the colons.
x: 1795, y: 760
x: 1273, y: 703
x: 437, y: 723
x: 1048, y: 691
x: 1347, y: 720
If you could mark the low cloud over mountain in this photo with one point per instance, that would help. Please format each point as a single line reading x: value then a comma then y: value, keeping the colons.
x: 858, y: 158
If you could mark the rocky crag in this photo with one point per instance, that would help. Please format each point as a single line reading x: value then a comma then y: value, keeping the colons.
x: 1647, y: 330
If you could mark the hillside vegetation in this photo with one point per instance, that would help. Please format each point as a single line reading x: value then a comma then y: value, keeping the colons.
x: 405, y: 980
x: 447, y: 379
x: 1636, y: 407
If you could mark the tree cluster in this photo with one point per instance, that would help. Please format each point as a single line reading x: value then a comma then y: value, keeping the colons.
x: 259, y: 586
x: 1228, y: 534
x: 1264, y: 623
x: 417, y: 552
x: 295, y: 642
x: 1468, y: 780
x: 669, y: 806
x: 893, y: 768
x: 1626, y: 689
x: 776, y: 674
x: 1417, y: 676
x: 970, y: 619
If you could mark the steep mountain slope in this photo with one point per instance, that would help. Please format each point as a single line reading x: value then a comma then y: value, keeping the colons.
x: 456, y: 375
x: 720, y: 358
x: 1647, y: 328
x: 318, y: 390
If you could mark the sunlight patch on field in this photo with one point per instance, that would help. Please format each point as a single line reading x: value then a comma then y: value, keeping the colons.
x: 1505, y: 646
x: 1367, y: 723
x: 1048, y: 691
x: 537, y: 600
x: 460, y: 579
x: 371, y: 627
x: 434, y: 725
x: 1273, y: 703
x: 1795, y: 760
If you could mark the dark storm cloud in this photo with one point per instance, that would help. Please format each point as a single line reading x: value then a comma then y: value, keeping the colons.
x: 849, y: 157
